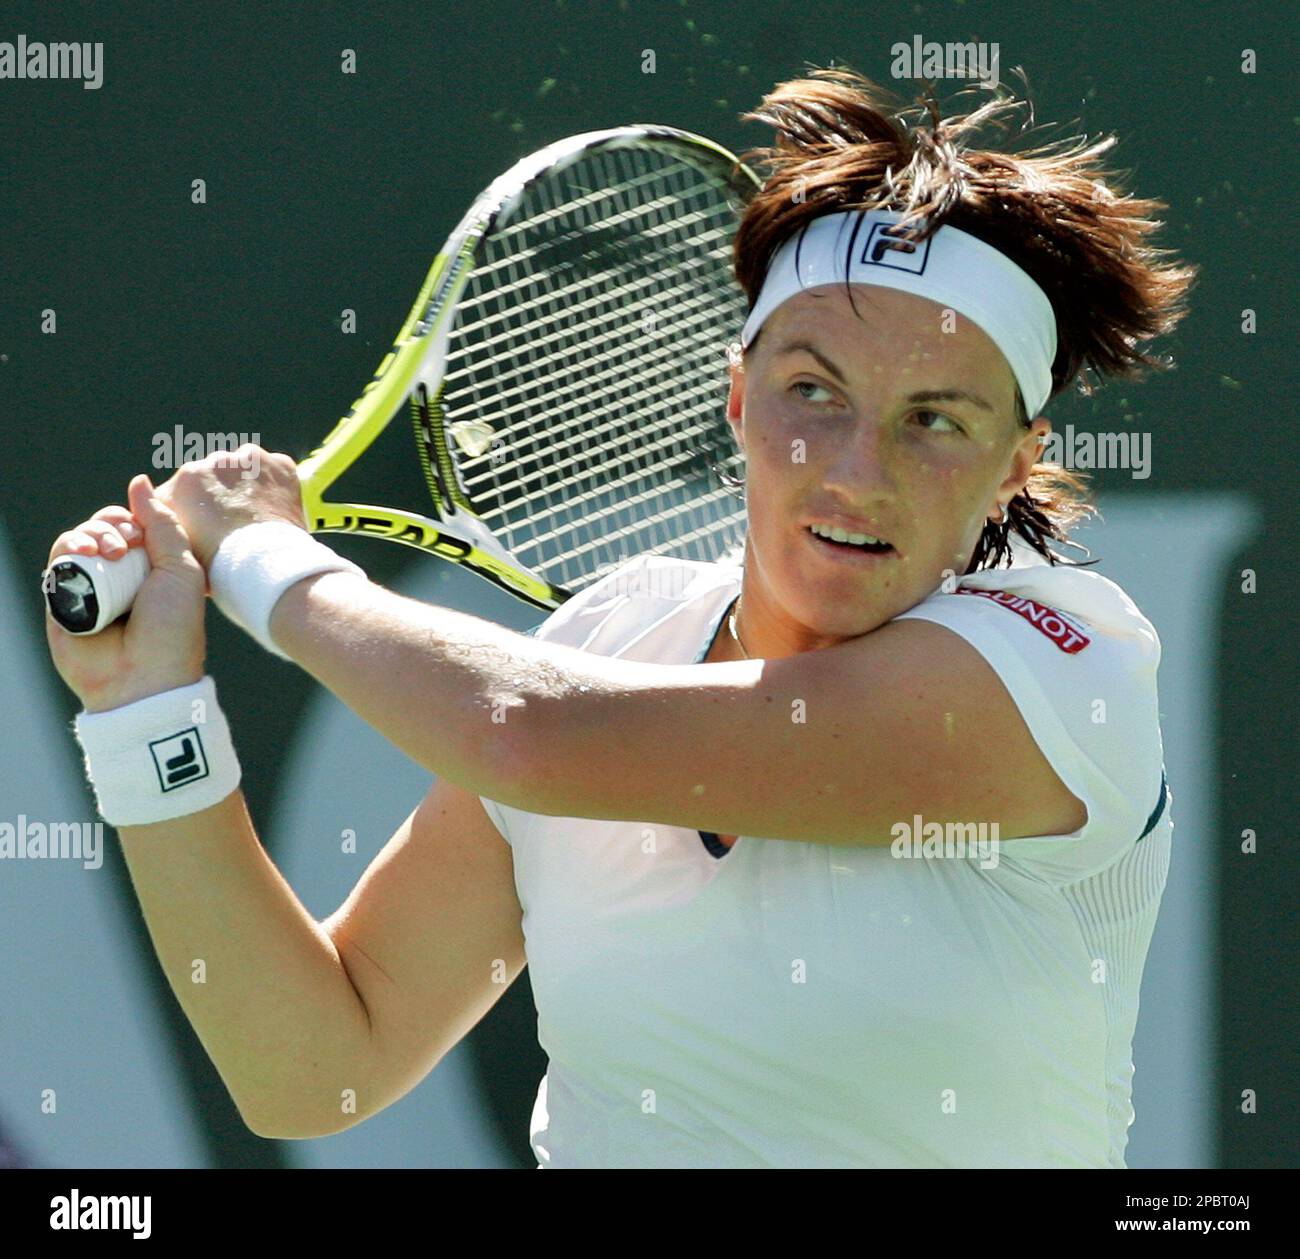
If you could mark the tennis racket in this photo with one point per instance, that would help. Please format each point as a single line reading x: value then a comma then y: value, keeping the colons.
x: 564, y: 369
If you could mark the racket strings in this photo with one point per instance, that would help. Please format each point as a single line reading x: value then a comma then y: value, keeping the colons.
x: 689, y: 300
x: 562, y: 318
x: 509, y: 288
x: 592, y: 352
x: 569, y: 320
x: 610, y: 377
x: 585, y: 398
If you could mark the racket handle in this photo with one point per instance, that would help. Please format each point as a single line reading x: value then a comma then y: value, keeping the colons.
x: 85, y: 593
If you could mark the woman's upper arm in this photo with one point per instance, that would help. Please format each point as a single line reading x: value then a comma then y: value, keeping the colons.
x: 431, y: 936
x: 835, y: 746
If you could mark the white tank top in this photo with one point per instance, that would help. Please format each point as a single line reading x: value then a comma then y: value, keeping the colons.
x: 803, y: 1005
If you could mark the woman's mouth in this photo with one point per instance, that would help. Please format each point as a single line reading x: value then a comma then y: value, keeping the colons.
x: 848, y: 539
x: 843, y: 545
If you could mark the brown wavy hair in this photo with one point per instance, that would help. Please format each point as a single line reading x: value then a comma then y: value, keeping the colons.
x: 844, y: 143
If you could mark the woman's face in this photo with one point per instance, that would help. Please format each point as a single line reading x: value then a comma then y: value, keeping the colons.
x: 898, y: 422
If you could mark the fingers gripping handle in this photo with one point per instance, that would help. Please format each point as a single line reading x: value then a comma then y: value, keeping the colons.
x: 85, y: 593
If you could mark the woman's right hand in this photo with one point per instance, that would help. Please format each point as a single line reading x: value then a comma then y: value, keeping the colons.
x: 161, y: 644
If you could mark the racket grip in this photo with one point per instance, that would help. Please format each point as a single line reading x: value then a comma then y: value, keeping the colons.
x: 85, y: 593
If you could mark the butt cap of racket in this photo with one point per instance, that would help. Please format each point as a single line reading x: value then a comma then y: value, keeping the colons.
x: 86, y: 593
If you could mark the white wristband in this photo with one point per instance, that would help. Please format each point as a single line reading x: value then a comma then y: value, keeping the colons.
x: 257, y: 563
x: 159, y: 758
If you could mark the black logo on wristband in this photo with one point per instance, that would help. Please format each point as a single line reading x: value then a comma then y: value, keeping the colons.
x: 179, y: 759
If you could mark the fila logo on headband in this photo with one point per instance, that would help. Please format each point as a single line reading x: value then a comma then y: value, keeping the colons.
x: 887, y: 246
x: 179, y: 759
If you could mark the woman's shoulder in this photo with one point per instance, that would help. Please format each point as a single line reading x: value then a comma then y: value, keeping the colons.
x: 1078, y: 659
x: 1077, y: 611
x: 1075, y: 652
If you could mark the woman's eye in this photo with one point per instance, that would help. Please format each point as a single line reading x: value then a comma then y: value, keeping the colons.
x: 800, y: 385
x: 938, y: 422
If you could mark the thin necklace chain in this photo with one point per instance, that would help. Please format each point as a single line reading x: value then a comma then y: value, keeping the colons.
x: 731, y: 625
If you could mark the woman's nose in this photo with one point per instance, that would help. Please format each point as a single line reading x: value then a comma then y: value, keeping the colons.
x: 860, y: 464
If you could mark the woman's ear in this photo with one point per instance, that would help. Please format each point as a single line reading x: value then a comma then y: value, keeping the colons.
x: 736, y: 393
x: 1028, y: 452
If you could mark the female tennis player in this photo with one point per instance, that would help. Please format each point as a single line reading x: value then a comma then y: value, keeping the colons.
x: 847, y: 855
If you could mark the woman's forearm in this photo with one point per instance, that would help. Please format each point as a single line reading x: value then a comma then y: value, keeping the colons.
x: 449, y: 690
x: 260, y: 981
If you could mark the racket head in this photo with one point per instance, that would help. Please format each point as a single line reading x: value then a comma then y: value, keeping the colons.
x: 566, y: 371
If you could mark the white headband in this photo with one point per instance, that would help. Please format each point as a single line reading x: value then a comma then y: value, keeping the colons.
x: 951, y: 267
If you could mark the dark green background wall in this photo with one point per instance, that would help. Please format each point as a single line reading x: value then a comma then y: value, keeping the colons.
x: 328, y: 192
